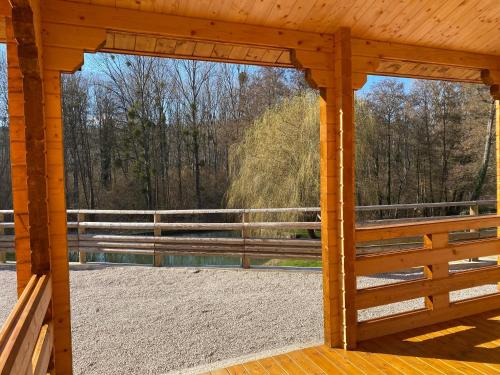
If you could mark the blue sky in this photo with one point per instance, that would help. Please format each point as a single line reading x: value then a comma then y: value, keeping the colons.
x: 91, y: 65
x: 374, y: 79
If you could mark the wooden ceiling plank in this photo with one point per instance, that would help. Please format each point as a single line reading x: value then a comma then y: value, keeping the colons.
x: 450, y: 22
x: 241, y: 9
x: 256, y: 10
x: 317, y: 12
x: 378, y: 17
x: 279, y: 13
x: 405, y: 17
x: 420, y: 16
x: 58, y: 11
x: 298, y: 13
x: 490, y: 18
x: 437, y: 17
x: 390, y: 18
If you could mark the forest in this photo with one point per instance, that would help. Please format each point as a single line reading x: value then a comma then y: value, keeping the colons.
x: 151, y: 133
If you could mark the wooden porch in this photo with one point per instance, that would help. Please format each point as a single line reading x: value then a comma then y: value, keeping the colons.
x: 463, y: 346
x: 337, y: 44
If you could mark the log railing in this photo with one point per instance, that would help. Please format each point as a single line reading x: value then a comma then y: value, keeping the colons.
x: 437, y: 281
x: 152, y: 237
x: 26, y: 338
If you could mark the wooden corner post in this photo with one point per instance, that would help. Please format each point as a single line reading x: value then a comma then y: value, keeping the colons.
x: 497, y: 141
x: 37, y: 170
x: 334, y: 78
x: 36, y: 56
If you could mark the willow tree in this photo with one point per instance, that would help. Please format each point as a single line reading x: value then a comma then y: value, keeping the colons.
x: 277, y: 162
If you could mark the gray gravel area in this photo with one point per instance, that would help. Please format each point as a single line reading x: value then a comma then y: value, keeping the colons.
x: 145, y: 320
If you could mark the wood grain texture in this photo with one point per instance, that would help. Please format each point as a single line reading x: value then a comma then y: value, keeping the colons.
x: 453, y: 24
x: 461, y: 346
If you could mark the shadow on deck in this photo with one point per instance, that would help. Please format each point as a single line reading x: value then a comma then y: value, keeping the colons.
x: 463, y: 346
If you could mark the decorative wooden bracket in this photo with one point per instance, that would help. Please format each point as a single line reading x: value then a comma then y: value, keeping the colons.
x: 64, y: 45
x: 492, y: 79
x: 319, y: 68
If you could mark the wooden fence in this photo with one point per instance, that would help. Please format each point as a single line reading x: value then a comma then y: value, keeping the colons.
x: 153, y: 235
x: 382, y: 247
x: 437, y: 281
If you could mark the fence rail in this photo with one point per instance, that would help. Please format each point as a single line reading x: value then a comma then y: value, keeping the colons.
x: 128, y: 237
x: 437, y: 281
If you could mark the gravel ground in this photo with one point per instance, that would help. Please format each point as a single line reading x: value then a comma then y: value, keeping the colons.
x: 145, y: 320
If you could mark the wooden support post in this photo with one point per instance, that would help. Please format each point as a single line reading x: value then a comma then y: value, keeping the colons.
x: 437, y: 271
x: 82, y: 255
x: 245, y: 260
x: 474, y: 211
x: 344, y: 99
x: 497, y: 142
x: 157, y: 261
x: 337, y: 154
x: 38, y: 168
x: 2, y: 232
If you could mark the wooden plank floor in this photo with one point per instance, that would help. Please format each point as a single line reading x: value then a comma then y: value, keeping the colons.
x: 464, y: 346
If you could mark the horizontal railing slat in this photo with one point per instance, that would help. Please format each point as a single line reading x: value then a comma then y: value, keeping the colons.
x: 409, y: 320
x: 43, y: 350
x: 402, y: 291
x: 391, y: 207
x: 16, y: 312
x: 383, y: 262
x: 385, y: 232
x: 16, y: 357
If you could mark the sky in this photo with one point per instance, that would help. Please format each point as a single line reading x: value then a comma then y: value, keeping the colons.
x: 374, y: 79
x: 91, y: 65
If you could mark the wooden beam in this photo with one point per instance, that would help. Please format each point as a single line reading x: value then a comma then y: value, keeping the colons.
x: 497, y: 144
x: 415, y: 53
x: 135, y: 21
x: 18, y: 162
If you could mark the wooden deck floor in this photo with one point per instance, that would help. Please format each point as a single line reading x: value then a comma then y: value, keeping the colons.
x: 464, y: 346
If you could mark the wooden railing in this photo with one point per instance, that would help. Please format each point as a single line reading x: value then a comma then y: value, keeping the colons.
x: 153, y: 235
x: 26, y: 338
x: 437, y: 281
